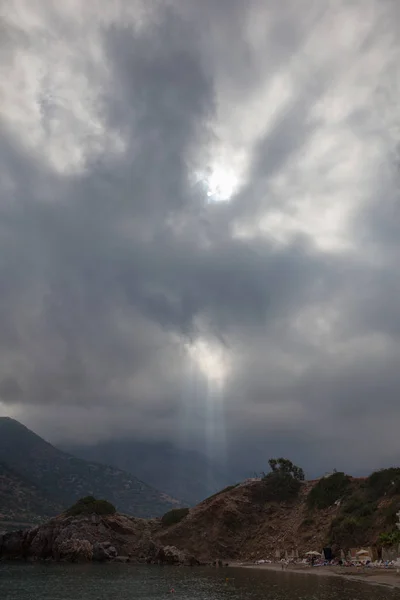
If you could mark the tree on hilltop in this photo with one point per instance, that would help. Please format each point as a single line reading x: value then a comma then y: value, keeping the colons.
x: 283, y: 466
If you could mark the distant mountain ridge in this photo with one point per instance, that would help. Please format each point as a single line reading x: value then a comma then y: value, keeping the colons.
x: 184, y: 474
x: 53, y: 479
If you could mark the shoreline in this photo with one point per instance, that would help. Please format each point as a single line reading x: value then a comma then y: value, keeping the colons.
x: 384, y: 577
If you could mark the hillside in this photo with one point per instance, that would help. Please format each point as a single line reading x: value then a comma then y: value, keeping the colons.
x: 184, y: 474
x: 236, y: 524
x: 62, y: 479
x: 245, y: 523
x: 21, y: 503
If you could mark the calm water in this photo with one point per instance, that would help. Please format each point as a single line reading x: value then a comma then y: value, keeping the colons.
x: 123, y: 582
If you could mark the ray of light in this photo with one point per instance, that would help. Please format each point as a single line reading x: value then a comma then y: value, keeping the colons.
x: 203, y: 408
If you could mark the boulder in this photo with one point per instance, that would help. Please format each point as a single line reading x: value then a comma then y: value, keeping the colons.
x: 171, y: 555
x: 104, y: 551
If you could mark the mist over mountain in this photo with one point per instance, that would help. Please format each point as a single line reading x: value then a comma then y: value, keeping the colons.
x: 184, y: 474
x: 54, y: 479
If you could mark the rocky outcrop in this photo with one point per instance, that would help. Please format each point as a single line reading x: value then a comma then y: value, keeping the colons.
x: 84, y: 538
x: 113, y: 538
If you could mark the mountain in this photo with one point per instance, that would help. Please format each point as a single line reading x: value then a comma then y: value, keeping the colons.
x: 62, y: 479
x: 184, y: 474
x: 22, y: 503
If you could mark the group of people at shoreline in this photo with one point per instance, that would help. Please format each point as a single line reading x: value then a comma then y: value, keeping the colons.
x: 314, y: 562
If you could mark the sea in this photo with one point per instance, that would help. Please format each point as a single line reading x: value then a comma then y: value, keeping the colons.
x: 133, y: 582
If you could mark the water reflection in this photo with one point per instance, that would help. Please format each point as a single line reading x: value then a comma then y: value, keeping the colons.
x: 123, y: 582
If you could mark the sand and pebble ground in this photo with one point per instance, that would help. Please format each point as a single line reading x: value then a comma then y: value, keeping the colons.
x: 371, y: 575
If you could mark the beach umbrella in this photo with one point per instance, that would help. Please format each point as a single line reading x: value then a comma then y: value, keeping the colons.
x: 362, y: 552
x: 313, y: 553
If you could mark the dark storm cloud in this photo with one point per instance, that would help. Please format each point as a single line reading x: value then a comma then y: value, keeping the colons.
x: 113, y: 259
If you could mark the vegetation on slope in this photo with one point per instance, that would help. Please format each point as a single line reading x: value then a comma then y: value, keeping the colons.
x: 282, y: 484
x: 329, y: 490
x: 281, y: 513
x: 390, y: 539
x: 90, y: 506
x: 174, y: 516
x: 283, y: 466
x: 367, y: 508
x: 382, y: 483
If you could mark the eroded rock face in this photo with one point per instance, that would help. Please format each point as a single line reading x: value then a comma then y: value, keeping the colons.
x: 75, y: 550
x: 113, y: 538
x: 83, y: 539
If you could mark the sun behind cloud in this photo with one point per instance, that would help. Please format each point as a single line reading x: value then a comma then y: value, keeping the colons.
x: 221, y: 184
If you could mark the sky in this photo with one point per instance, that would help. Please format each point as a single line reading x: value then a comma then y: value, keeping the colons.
x: 199, y: 226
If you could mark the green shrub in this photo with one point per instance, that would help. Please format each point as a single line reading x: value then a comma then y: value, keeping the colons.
x: 353, y: 503
x: 283, y: 466
x: 174, y: 516
x: 350, y: 525
x: 276, y: 487
x: 390, y: 513
x: 347, y: 531
x: 383, y: 482
x: 360, y: 512
x: 359, y: 506
x: 89, y: 506
x: 366, y: 510
x: 390, y: 539
x: 328, y: 490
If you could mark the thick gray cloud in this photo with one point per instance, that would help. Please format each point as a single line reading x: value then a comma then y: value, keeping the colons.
x: 199, y: 228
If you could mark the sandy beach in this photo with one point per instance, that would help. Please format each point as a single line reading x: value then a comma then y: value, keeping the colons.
x: 388, y: 577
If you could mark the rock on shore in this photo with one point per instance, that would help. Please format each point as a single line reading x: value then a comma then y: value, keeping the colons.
x: 78, y: 539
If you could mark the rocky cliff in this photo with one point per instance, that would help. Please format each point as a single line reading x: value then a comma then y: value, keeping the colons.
x: 86, y: 538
